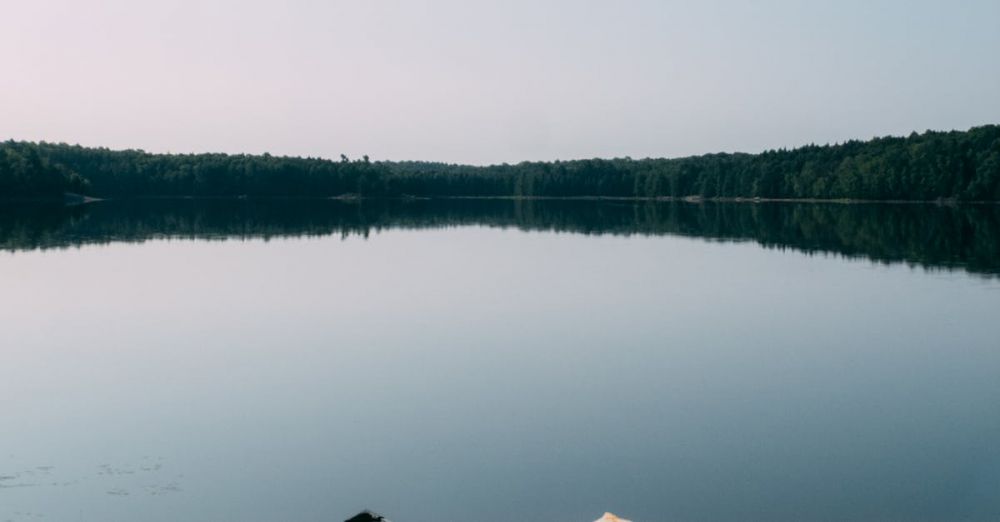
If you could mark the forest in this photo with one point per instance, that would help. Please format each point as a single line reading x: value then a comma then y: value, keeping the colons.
x: 955, y: 165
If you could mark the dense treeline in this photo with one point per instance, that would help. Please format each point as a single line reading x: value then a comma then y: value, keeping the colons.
x: 25, y: 172
x: 938, y: 236
x: 929, y: 166
x: 135, y: 173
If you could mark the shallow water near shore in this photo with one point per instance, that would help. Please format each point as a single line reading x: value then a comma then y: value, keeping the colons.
x: 495, y: 361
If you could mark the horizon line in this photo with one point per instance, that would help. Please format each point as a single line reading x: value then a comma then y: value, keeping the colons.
x: 489, y: 165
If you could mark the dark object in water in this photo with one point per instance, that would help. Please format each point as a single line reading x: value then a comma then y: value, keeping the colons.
x: 367, y: 516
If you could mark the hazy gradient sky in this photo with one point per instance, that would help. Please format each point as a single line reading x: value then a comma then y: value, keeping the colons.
x: 483, y: 82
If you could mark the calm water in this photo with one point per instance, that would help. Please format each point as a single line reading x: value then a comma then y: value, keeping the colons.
x: 498, y: 361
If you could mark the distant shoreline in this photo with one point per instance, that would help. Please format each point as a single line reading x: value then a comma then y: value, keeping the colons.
x: 933, y: 167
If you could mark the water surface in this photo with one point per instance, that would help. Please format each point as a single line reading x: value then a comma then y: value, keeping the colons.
x: 499, y: 361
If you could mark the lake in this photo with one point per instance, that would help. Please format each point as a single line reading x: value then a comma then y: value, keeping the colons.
x: 498, y: 360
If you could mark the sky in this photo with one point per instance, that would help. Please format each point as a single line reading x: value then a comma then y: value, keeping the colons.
x: 492, y: 81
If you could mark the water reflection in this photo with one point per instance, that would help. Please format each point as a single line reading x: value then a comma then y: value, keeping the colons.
x: 930, y: 236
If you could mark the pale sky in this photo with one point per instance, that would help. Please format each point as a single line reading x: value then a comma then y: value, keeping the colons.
x: 487, y: 82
